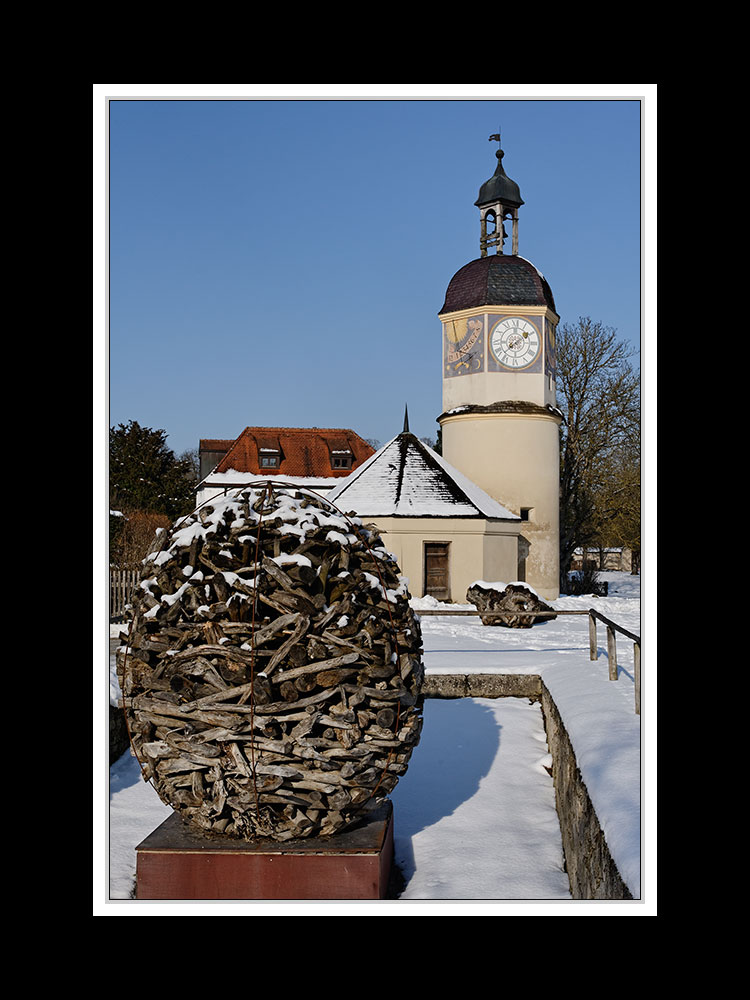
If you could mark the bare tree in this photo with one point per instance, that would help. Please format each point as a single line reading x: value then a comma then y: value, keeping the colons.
x: 132, y: 534
x: 599, y: 397
x: 619, y: 499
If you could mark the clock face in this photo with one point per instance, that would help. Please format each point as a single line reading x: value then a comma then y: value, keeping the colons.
x: 463, y: 349
x: 515, y: 343
x: 550, y: 355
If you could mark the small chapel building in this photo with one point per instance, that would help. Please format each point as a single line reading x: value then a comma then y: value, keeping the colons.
x: 443, y: 529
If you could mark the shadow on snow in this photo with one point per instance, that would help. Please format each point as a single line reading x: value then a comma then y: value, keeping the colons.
x: 460, y: 739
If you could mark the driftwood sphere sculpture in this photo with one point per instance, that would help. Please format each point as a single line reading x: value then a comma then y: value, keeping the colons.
x: 272, y: 673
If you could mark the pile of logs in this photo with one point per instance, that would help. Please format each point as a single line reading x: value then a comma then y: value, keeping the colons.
x: 272, y: 674
x: 517, y: 600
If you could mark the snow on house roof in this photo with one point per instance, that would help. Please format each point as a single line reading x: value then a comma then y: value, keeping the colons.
x: 406, y: 478
x: 235, y: 478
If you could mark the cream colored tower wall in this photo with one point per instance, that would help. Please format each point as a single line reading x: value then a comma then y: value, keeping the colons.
x: 486, y: 388
x: 515, y: 458
x: 479, y: 549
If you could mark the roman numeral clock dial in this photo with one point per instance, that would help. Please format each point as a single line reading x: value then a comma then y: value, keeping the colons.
x: 515, y: 343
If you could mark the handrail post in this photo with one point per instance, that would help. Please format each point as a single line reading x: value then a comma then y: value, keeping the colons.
x: 612, y: 653
x: 593, y: 650
x: 637, y: 674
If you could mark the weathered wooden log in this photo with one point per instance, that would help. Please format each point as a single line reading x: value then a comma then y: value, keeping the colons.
x: 272, y: 675
x: 516, y: 599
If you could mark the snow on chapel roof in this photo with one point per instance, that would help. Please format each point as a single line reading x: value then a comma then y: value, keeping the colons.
x: 408, y: 479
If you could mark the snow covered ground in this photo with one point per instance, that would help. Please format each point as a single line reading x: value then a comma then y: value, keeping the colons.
x: 475, y: 822
x: 474, y: 816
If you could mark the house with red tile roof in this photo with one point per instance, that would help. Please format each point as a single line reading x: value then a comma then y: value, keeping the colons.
x: 314, y: 457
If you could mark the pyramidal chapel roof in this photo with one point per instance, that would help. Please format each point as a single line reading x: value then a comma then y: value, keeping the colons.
x: 405, y: 478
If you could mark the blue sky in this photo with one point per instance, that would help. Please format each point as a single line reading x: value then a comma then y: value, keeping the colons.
x: 282, y: 262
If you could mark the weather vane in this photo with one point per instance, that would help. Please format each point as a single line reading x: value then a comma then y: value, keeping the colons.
x: 495, y: 136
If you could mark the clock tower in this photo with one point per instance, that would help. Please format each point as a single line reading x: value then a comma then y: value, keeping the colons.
x: 500, y: 424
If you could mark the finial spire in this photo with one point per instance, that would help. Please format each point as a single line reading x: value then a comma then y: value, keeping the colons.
x: 406, y: 419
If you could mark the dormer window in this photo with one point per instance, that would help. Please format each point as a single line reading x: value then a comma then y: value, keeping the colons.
x: 340, y: 452
x: 269, y: 451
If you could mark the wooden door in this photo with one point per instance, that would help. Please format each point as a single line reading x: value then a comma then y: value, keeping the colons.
x: 437, y: 570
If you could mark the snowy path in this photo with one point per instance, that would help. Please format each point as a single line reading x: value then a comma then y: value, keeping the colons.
x: 474, y: 816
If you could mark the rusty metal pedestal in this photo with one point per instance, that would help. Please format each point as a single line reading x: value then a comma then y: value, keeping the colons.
x: 174, y: 862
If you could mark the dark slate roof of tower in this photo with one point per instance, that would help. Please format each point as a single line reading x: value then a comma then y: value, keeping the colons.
x: 500, y: 187
x: 497, y: 280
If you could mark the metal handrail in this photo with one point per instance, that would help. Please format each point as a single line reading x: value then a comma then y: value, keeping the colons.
x: 593, y: 615
x: 614, y: 625
x: 497, y: 614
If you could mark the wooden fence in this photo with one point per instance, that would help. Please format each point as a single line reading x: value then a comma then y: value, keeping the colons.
x: 593, y: 616
x: 121, y: 585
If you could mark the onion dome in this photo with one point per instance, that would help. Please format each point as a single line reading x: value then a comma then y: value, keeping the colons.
x: 499, y: 188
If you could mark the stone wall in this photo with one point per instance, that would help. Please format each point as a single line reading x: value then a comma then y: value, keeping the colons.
x: 482, y: 686
x: 591, y: 871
